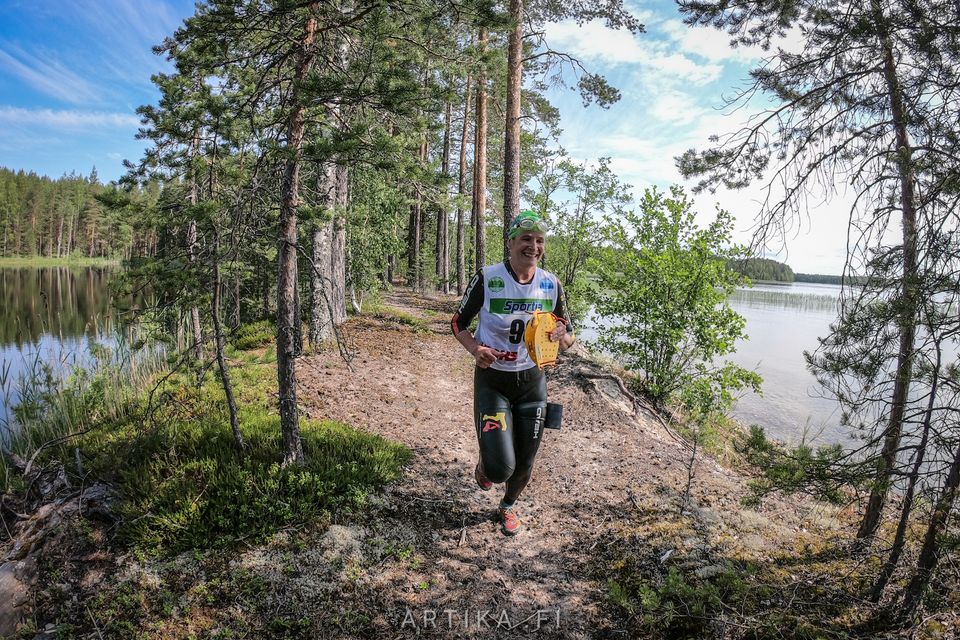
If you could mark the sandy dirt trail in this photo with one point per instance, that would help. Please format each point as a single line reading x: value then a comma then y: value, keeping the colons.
x: 606, y: 465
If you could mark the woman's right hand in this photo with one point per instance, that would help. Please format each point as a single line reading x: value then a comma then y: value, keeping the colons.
x: 485, y: 356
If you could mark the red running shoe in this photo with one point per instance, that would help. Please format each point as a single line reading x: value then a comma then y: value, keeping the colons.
x: 510, y: 523
x: 481, y: 479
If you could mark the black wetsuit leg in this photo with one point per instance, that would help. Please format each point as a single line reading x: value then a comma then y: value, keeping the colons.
x: 510, y: 408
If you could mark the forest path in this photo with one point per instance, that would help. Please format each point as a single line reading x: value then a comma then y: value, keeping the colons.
x: 432, y: 545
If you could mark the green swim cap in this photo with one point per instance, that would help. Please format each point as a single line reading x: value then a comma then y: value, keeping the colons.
x: 527, y: 220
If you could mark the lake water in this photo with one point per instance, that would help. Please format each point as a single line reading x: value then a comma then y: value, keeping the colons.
x: 50, y: 315
x: 784, y: 320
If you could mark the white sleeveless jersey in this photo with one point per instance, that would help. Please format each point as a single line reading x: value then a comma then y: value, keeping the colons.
x: 507, y: 307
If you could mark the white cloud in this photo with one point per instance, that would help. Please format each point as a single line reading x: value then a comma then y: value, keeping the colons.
x: 594, y: 42
x: 714, y: 44
x: 707, y: 42
x: 48, y: 76
x: 66, y: 119
x: 676, y: 108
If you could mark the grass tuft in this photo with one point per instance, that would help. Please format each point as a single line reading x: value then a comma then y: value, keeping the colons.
x: 253, y: 335
x: 392, y: 314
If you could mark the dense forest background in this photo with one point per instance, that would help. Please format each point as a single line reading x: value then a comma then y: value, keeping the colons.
x: 68, y: 216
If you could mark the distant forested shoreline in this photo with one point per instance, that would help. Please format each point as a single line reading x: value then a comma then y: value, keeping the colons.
x: 72, y: 216
x: 759, y: 269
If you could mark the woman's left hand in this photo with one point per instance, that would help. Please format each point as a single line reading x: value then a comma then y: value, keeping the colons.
x: 557, y: 334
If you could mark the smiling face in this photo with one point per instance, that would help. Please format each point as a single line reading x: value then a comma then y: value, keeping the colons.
x: 526, y: 249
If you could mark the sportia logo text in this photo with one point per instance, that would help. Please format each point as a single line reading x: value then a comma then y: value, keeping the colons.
x: 519, y: 305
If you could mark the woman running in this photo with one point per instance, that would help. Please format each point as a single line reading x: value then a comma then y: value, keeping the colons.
x: 509, y: 390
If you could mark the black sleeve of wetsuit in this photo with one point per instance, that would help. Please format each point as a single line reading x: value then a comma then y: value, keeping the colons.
x: 561, y: 310
x: 470, y: 305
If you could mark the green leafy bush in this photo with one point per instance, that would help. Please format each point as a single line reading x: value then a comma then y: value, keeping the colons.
x: 662, y: 301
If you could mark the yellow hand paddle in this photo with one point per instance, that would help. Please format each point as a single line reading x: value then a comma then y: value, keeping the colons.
x: 542, y: 350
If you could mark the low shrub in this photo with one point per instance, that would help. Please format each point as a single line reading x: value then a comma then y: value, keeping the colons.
x: 185, y: 485
x: 165, y: 441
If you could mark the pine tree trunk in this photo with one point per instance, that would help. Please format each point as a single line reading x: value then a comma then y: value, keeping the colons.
x: 181, y: 340
x: 412, y: 254
x: 899, y: 540
x: 418, y: 240
x: 511, y: 146
x: 73, y: 225
x: 339, y: 257
x: 461, y: 189
x: 908, y: 315
x: 321, y: 296
x: 287, y: 313
x: 50, y: 239
x: 194, y: 310
x: 356, y: 301
x: 443, y: 245
x: 929, y: 553
x: 219, y: 343
x: 60, y: 236
x: 321, y: 327
x: 35, y: 236
x: 339, y: 249
x: 298, y: 309
x: 192, y: 246
x: 480, y: 163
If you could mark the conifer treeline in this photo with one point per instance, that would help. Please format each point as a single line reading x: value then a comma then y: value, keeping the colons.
x: 65, y: 217
x: 763, y: 269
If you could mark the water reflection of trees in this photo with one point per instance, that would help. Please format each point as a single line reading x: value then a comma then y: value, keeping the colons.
x: 61, y: 301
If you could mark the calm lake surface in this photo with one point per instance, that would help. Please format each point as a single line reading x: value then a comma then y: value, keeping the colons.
x: 784, y: 320
x: 52, y: 315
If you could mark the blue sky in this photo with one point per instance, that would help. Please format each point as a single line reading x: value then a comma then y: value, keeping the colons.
x: 72, y: 74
